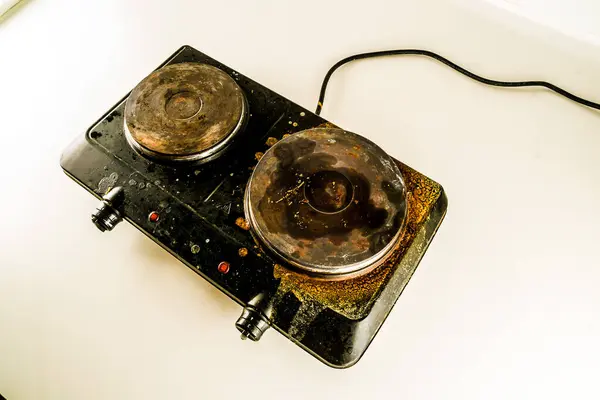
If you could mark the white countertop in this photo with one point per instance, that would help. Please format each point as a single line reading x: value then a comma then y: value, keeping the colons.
x: 505, y: 304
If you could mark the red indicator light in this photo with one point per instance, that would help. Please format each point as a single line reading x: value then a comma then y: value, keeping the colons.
x: 223, y: 267
x: 153, y: 217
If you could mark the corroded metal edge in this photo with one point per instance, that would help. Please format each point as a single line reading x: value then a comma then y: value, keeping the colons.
x: 366, y: 329
x: 353, y: 298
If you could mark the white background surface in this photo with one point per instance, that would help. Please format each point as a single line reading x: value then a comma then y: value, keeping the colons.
x: 575, y: 18
x: 505, y: 304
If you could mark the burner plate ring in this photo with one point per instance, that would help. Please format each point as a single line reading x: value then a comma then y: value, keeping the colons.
x: 328, y: 202
x: 185, y: 112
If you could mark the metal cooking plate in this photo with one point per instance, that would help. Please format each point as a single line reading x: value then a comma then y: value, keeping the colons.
x: 327, y: 201
x: 184, y: 112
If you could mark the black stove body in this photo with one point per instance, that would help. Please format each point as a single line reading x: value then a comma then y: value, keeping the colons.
x: 196, y: 212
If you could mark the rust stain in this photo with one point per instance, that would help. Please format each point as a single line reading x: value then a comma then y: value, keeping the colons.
x: 243, y: 252
x: 166, y: 119
x: 354, y: 297
x: 258, y: 155
x: 327, y: 125
x: 291, y: 202
x: 271, y: 141
x: 242, y: 223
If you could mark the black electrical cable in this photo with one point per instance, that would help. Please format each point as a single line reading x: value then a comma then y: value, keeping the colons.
x: 452, y: 65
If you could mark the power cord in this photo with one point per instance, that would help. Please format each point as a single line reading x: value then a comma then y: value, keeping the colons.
x: 417, y: 52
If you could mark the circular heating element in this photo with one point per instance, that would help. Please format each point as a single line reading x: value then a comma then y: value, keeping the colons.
x: 184, y: 112
x: 327, y: 201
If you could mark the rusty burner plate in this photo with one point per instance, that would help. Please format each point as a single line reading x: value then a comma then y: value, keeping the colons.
x: 328, y: 202
x: 184, y: 112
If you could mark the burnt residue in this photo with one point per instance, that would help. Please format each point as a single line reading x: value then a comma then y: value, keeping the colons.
x: 305, y: 315
x: 393, y: 194
x: 316, y: 199
x: 242, y: 223
x: 184, y: 109
x: 271, y: 141
x: 327, y: 201
x: 354, y: 297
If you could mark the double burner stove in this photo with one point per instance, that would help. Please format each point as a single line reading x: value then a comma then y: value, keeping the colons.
x: 314, y: 230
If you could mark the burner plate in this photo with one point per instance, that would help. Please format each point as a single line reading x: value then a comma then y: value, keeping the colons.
x: 327, y: 201
x: 184, y: 112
